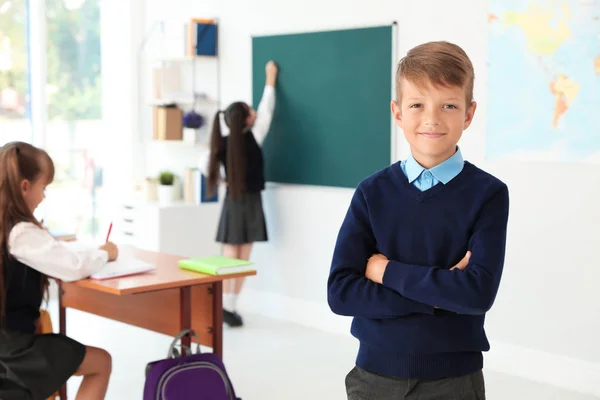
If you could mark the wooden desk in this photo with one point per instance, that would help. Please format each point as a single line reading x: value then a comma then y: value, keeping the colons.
x: 167, y: 300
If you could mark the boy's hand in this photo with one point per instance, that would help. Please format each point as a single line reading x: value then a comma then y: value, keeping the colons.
x: 271, y: 72
x: 462, y: 264
x: 376, y: 267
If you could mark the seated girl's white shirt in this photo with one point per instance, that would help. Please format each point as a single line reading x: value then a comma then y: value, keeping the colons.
x: 36, y: 248
x: 264, y: 114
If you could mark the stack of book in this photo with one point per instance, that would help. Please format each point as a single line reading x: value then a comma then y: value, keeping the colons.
x: 195, y: 189
x: 218, y: 265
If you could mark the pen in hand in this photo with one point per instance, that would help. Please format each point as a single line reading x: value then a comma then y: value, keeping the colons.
x: 108, y: 235
x: 110, y: 248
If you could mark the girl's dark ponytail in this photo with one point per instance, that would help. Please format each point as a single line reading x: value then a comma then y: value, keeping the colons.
x: 216, y: 144
x: 235, y: 117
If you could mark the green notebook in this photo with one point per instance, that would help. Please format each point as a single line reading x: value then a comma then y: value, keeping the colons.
x: 218, y: 265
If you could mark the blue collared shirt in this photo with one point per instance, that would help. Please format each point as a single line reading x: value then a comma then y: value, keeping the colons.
x: 425, y: 179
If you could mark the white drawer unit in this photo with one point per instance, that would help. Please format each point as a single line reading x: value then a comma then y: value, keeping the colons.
x: 184, y: 229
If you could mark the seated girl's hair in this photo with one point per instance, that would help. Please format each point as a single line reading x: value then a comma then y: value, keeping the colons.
x: 18, y: 161
x: 235, y: 118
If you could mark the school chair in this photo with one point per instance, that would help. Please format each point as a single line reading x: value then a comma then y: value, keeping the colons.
x: 44, y: 325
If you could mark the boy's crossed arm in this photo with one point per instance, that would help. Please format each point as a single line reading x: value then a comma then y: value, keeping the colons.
x: 349, y: 291
x: 471, y: 291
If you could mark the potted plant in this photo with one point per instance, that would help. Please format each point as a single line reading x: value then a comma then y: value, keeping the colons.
x: 166, y: 193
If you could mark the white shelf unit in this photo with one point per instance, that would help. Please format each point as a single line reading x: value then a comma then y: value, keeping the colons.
x: 183, y: 81
x: 180, y: 58
x: 184, y: 102
x: 192, y: 82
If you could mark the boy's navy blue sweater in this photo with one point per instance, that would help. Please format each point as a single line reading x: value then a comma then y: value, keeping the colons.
x: 423, y: 234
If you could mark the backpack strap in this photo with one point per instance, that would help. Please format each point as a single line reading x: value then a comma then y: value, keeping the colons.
x: 173, y: 353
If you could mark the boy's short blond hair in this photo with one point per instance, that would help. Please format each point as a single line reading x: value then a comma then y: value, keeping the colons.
x: 439, y: 63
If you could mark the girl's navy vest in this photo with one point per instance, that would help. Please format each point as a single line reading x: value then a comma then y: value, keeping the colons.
x: 24, y: 296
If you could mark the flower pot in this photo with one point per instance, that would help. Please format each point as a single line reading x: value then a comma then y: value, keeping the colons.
x: 165, y: 194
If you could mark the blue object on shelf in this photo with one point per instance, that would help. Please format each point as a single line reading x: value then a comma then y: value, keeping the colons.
x: 203, y: 192
x: 193, y: 120
x: 206, y: 39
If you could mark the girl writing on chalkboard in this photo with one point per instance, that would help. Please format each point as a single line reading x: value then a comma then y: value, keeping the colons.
x: 242, y: 219
x: 33, y: 365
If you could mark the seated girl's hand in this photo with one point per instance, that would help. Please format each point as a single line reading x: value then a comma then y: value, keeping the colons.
x: 111, y: 249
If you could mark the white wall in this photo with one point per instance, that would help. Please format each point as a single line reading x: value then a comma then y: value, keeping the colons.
x: 548, y: 298
x: 119, y: 91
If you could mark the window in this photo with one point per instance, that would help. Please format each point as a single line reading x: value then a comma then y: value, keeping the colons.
x: 14, y: 77
x: 52, y: 94
x: 74, y: 134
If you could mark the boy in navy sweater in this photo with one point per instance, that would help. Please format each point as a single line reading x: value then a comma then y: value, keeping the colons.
x: 419, y: 256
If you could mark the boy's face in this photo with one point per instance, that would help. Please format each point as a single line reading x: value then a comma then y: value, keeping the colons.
x: 433, y: 119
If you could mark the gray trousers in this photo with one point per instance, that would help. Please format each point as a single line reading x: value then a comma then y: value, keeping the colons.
x: 363, y: 385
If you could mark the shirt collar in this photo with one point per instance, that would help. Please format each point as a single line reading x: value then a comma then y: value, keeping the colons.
x: 444, y: 172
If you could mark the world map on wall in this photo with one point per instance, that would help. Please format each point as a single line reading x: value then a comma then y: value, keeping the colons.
x: 544, y: 80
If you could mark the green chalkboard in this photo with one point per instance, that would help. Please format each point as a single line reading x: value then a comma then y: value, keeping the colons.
x: 332, y: 123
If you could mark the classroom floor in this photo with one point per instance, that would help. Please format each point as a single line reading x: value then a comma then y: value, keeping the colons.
x: 267, y: 359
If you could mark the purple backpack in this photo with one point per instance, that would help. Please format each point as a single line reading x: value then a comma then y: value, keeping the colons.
x: 193, y: 376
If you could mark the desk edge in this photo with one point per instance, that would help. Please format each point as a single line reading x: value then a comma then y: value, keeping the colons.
x: 91, y: 284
